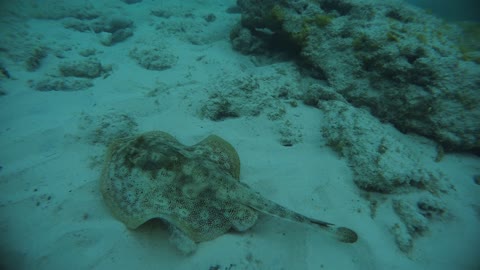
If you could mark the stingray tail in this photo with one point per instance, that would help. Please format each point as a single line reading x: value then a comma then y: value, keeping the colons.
x: 258, y: 202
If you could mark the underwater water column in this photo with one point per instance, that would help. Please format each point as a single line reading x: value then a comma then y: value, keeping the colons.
x: 460, y: 10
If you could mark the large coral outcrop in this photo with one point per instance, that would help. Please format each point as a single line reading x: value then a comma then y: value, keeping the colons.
x: 405, y: 65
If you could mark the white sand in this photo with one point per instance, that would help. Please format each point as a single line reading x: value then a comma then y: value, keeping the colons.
x: 52, y: 214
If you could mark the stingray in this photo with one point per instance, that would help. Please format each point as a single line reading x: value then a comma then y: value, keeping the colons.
x: 195, y: 189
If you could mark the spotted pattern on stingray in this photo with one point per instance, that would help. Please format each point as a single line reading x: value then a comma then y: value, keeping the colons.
x: 193, y: 188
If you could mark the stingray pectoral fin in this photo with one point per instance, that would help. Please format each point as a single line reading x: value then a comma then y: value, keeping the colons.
x: 181, y: 240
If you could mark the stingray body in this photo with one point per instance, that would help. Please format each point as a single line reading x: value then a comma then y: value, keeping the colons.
x: 196, y: 189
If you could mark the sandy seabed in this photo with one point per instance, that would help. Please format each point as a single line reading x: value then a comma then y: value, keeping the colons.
x: 53, y: 143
